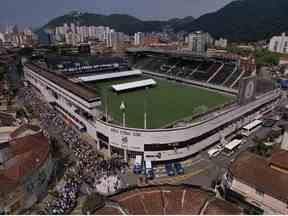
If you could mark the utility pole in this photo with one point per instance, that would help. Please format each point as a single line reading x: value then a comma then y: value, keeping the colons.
x: 123, y: 107
x: 106, y: 105
x: 145, y: 109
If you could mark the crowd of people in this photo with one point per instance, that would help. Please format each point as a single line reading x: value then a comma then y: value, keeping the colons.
x: 101, y: 175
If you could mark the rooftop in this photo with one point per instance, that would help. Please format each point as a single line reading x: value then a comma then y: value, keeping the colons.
x: 6, y: 119
x: 77, y: 89
x: 168, y: 199
x: 256, y: 172
x: 24, y: 130
x: 26, y: 155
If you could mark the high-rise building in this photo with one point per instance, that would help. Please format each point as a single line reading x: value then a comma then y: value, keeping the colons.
x: 138, y: 37
x: 222, y: 43
x: 2, y: 37
x: 66, y: 28
x: 279, y: 44
x: 108, y: 36
x: 28, y: 32
x: 73, y: 28
x: 9, y: 29
x: 151, y: 39
x: 198, y: 41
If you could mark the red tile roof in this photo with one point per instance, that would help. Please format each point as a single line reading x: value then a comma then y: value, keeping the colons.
x: 169, y: 200
x: 280, y: 158
x: 28, y: 153
x: 256, y: 172
x: 222, y: 207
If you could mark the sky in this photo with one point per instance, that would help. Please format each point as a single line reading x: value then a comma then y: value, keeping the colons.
x: 35, y: 13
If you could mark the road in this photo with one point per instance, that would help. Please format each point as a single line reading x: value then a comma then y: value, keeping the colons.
x: 202, y: 170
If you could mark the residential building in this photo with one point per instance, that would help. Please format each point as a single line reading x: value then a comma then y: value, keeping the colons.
x: 279, y: 44
x: 26, y: 166
x: 2, y: 37
x: 138, y: 38
x: 198, y: 41
x: 260, y: 182
x: 151, y: 39
x: 221, y: 43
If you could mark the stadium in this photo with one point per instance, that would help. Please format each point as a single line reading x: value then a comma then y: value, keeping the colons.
x: 160, y: 104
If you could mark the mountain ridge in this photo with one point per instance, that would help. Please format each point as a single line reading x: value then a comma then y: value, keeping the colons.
x: 239, y: 21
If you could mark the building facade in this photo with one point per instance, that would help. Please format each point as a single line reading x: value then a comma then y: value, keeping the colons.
x: 279, y: 44
x: 198, y: 41
x: 261, y: 182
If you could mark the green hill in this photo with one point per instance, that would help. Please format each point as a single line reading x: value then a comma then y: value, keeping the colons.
x: 120, y: 22
x: 241, y: 20
x: 244, y: 20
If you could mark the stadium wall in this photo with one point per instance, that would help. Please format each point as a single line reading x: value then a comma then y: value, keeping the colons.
x: 161, y: 144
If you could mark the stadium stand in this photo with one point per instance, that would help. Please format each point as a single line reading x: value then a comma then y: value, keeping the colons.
x: 220, y: 77
x: 71, y: 66
x: 215, y: 72
x: 203, y: 75
x: 243, y: 74
x: 231, y: 79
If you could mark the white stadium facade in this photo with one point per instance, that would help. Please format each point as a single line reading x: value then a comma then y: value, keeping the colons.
x: 81, y: 106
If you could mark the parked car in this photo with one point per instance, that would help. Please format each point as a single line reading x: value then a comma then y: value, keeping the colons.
x: 169, y: 169
x: 179, y: 169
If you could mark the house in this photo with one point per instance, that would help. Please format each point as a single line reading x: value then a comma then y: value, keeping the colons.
x: 261, y: 182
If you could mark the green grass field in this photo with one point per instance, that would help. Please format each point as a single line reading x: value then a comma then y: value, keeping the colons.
x: 166, y: 102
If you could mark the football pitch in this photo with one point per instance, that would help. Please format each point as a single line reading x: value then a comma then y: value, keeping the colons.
x: 166, y: 103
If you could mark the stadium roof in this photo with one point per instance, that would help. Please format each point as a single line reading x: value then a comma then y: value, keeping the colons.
x: 76, y: 89
x: 133, y: 85
x: 106, y: 76
x: 68, y: 61
x: 169, y: 52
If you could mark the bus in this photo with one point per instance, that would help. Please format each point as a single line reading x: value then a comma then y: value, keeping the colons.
x: 148, y: 170
x: 231, y: 146
x: 137, y: 169
x: 251, y: 127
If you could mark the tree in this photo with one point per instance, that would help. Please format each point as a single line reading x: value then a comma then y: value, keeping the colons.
x: 261, y: 149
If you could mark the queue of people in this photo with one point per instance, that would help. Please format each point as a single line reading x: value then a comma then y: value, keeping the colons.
x: 101, y: 175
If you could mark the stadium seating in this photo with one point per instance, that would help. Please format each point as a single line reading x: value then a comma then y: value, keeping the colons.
x: 204, y: 75
x: 143, y: 63
x: 204, y: 66
x: 242, y: 75
x: 201, y: 70
x: 232, y: 78
x: 222, y: 74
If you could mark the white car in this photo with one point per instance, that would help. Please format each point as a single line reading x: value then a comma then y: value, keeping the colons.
x: 220, y: 146
x: 214, y: 152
